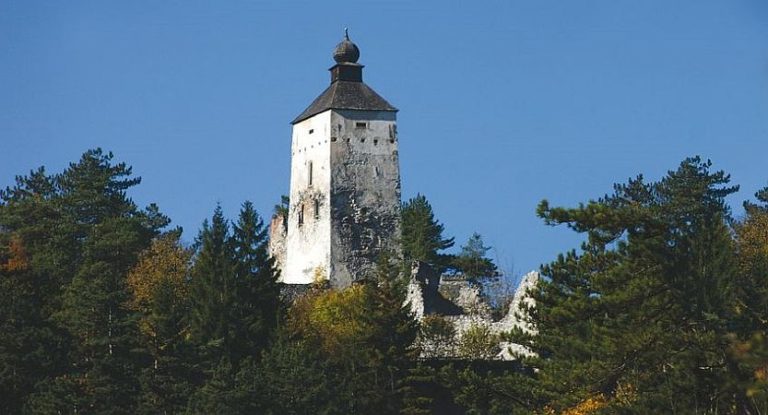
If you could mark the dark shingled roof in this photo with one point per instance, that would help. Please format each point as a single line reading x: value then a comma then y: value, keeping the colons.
x: 346, y: 95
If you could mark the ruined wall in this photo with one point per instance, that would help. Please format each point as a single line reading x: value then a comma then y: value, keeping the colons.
x: 278, y: 230
x: 308, y: 238
x: 517, y: 316
x: 462, y: 305
x: 365, y: 189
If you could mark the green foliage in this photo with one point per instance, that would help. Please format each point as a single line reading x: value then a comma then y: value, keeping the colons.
x: 437, y: 336
x: 235, y: 305
x: 71, y: 239
x: 296, y: 378
x: 160, y: 293
x: 647, y: 302
x: 663, y: 310
x: 258, y: 307
x: 422, y: 234
x: 361, y: 336
x: 473, y: 263
x: 762, y: 197
x: 478, y: 342
x: 281, y: 209
x: 497, y: 392
x: 212, y: 290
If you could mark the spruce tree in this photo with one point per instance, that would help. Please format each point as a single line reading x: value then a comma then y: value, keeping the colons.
x: 258, y: 306
x: 235, y: 306
x: 212, y: 290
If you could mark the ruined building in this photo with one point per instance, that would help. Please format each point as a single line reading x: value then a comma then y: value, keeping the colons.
x: 345, y: 182
x: 344, y: 207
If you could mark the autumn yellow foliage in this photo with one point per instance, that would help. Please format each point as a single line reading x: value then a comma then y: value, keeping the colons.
x: 588, y: 406
x: 336, y: 318
x: 165, y: 262
x: 17, y: 256
x: 752, y: 239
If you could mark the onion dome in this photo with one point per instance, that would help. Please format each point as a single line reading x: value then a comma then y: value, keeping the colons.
x: 346, y: 51
x: 347, y: 90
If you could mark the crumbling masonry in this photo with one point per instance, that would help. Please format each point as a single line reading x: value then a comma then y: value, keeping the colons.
x: 344, y: 208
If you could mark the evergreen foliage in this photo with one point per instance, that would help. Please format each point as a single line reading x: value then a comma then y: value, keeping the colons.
x: 422, y: 234
x: 361, y: 338
x: 104, y: 311
x: 646, y: 306
x: 473, y: 263
x: 71, y: 239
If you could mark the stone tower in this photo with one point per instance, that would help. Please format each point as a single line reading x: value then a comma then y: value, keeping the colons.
x: 345, y: 182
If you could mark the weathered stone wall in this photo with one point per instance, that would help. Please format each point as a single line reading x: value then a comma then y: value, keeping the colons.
x: 517, y: 316
x: 461, y: 304
x: 344, y: 199
x: 278, y: 229
x: 365, y: 192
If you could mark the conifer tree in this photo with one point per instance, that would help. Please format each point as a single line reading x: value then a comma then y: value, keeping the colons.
x: 749, y: 348
x: 82, y: 234
x: 422, y: 234
x: 159, y: 292
x: 258, y: 305
x: 294, y: 378
x: 235, y: 306
x: 393, y: 331
x: 213, y: 287
x: 473, y: 263
x: 639, y: 317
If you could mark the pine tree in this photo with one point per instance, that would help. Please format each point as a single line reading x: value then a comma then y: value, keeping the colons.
x: 422, y: 234
x: 82, y: 234
x: 640, y: 316
x: 34, y: 252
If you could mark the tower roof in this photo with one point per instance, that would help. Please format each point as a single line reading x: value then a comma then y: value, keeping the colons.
x: 347, y: 90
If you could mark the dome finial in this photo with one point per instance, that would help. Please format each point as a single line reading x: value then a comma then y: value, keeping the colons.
x: 346, y: 51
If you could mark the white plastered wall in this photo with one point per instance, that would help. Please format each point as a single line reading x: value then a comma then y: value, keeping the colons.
x: 308, y: 243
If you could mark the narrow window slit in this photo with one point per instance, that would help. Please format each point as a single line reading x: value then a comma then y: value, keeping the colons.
x: 301, y: 215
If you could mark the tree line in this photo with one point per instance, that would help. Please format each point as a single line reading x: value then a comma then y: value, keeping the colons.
x: 103, y: 310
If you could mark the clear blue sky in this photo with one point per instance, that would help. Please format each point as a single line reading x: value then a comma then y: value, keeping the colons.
x: 501, y: 103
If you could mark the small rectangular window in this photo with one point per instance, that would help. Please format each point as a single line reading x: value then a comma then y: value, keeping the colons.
x: 311, y: 131
x: 310, y: 173
x: 301, y: 215
x: 317, y: 209
x: 361, y: 125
